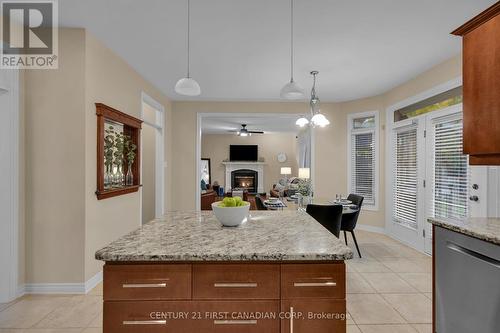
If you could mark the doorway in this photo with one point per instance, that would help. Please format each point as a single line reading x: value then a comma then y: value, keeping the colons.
x: 431, y: 175
x: 152, y: 160
x: 9, y: 189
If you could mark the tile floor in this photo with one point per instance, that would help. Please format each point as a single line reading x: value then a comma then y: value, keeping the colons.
x: 388, y: 291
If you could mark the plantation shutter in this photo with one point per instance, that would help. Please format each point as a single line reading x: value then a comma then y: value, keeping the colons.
x: 450, y: 171
x: 405, y: 177
x: 363, y: 166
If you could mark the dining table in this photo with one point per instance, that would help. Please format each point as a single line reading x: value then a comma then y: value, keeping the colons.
x: 292, y: 204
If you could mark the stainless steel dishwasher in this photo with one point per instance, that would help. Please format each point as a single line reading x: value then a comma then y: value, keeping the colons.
x: 467, y: 277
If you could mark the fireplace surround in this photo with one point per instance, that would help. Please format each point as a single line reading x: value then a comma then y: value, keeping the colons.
x: 243, y: 170
x: 244, y: 179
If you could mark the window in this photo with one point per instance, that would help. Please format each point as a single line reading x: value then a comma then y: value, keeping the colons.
x: 363, y: 157
x: 405, y: 170
x: 450, y: 170
x: 436, y: 102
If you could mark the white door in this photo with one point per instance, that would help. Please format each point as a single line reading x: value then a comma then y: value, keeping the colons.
x: 430, y: 175
x: 447, y: 169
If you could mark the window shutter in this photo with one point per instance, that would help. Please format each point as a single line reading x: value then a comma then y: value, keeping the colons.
x: 363, y: 166
x: 450, y: 171
x: 405, y: 177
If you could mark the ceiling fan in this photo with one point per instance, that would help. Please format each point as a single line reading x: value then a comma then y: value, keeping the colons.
x: 243, y: 131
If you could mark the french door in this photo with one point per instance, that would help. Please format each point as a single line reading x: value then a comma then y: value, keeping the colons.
x: 430, y: 175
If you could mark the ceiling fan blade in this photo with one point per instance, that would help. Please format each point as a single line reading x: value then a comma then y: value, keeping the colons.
x: 256, y: 132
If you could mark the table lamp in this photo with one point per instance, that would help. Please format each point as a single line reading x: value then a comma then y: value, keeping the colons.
x: 304, y: 173
x: 286, y: 171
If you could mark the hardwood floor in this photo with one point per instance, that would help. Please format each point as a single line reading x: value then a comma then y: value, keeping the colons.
x: 388, y: 291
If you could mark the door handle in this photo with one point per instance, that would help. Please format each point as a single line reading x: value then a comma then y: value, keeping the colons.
x: 474, y: 254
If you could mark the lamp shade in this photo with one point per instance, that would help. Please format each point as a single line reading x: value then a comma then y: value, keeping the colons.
x: 302, y: 121
x: 188, y: 87
x: 304, y: 173
x: 286, y: 171
x: 292, y: 90
x: 319, y: 120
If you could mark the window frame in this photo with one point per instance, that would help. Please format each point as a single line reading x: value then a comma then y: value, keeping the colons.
x: 376, y: 135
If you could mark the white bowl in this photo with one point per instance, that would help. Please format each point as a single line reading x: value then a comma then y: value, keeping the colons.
x: 230, y: 216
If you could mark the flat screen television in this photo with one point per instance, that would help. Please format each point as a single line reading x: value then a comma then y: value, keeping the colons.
x: 243, y: 153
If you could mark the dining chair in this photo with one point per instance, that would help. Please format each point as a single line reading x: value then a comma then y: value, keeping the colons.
x: 350, y: 220
x: 329, y: 216
x: 259, y: 204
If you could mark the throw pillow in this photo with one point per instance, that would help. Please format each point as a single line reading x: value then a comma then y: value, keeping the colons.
x: 203, y: 185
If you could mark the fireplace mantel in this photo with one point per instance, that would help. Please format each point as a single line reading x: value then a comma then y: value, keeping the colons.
x: 255, y: 166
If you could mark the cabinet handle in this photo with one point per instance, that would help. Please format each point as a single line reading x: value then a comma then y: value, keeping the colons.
x: 315, y: 284
x: 144, y: 322
x: 235, y: 322
x: 474, y: 254
x: 291, y: 319
x: 144, y: 285
x: 235, y: 285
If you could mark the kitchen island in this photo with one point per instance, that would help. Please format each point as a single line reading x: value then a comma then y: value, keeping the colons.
x: 278, y: 272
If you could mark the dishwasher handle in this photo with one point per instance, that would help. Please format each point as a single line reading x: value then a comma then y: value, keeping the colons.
x: 460, y: 249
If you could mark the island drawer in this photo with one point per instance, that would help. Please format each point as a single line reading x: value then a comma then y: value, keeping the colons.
x: 149, y: 317
x: 237, y: 316
x: 147, y: 282
x: 313, y: 315
x: 313, y: 280
x: 236, y: 281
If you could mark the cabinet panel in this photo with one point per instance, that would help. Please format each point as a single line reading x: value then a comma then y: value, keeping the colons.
x: 237, y: 316
x: 148, y: 317
x: 481, y: 79
x: 313, y: 280
x: 147, y: 282
x: 314, y: 315
x: 236, y: 281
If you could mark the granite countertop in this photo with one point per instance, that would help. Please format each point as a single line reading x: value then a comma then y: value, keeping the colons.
x: 198, y: 236
x: 487, y: 229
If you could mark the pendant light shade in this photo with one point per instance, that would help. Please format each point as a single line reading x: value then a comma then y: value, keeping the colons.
x: 188, y: 86
x: 319, y: 120
x: 302, y: 121
x: 291, y: 90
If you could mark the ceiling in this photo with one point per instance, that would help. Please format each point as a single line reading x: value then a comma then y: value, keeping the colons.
x: 270, y: 123
x: 240, y: 48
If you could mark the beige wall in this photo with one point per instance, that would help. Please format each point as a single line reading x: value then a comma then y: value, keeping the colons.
x: 330, y: 142
x: 55, y: 166
x: 216, y: 147
x: 65, y: 223
x: 110, y: 80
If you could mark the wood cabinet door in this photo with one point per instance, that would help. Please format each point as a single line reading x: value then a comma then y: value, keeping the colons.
x: 481, y: 89
x: 313, y: 315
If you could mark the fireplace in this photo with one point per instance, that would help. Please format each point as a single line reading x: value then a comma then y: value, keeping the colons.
x: 244, y: 179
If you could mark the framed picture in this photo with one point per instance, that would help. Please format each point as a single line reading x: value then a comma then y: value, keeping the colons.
x: 205, y: 170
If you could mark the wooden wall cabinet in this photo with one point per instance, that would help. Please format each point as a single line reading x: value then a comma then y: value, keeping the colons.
x: 128, y: 126
x: 481, y: 86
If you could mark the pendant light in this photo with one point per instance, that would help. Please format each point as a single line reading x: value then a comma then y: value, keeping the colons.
x: 291, y: 90
x: 188, y: 86
x: 317, y: 118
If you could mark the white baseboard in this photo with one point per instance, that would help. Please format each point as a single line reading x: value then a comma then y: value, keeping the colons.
x: 93, y: 281
x: 61, y: 288
x: 370, y: 228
